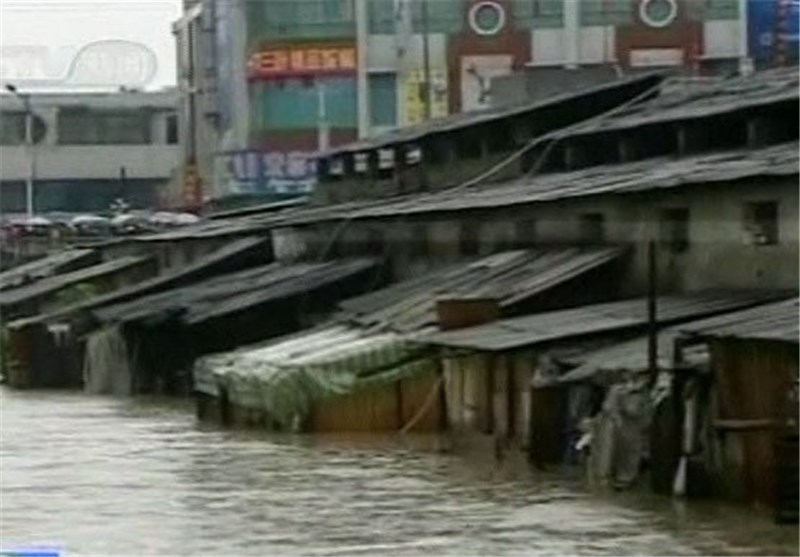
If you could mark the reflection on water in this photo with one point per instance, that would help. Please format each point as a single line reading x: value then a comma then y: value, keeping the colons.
x: 101, y: 476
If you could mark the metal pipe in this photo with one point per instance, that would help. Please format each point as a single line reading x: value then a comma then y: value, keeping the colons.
x: 30, y: 147
x: 745, y: 63
x: 426, y: 61
x: 572, y: 34
x: 29, y: 208
x: 363, y: 100
x: 322, y: 118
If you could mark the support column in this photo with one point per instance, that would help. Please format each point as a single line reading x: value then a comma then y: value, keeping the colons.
x: 572, y: 27
x: 362, y: 34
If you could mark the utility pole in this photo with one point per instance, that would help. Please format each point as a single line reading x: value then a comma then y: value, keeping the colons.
x: 363, y: 100
x: 426, y: 61
x: 26, y: 101
x: 323, y: 139
x: 745, y: 62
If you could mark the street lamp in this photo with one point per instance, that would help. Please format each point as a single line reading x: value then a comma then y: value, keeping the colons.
x: 26, y: 100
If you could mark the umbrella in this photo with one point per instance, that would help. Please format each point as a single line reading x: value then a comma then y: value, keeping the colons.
x: 175, y: 219
x: 127, y: 219
x: 83, y: 220
x: 36, y: 221
x: 186, y: 218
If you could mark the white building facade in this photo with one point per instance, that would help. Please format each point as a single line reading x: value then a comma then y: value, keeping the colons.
x: 89, y: 150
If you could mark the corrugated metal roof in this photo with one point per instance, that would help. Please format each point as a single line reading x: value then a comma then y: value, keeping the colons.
x: 779, y: 321
x: 773, y: 321
x: 286, y: 282
x: 459, y: 121
x: 231, y: 257
x: 628, y: 356
x: 46, y: 266
x: 686, y: 100
x: 618, y: 179
x: 53, y: 284
x: 260, y: 208
x: 205, y: 229
x: 235, y: 291
x: 591, y: 320
x: 226, y: 259
x: 511, y: 277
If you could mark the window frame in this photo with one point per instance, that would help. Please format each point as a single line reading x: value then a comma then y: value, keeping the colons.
x: 675, y: 239
x: 588, y: 225
x: 761, y: 221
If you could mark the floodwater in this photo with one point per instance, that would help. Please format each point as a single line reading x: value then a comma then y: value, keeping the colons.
x: 104, y: 476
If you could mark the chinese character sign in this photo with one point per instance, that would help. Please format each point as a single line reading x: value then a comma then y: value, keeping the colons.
x: 287, y: 62
x: 270, y: 172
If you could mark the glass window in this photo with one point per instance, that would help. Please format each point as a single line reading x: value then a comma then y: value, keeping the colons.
x: 713, y: 9
x: 592, y: 228
x: 383, y: 99
x: 444, y: 16
x: 172, y: 129
x: 606, y: 12
x: 87, y: 127
x: 469, y: 239
x: 525, y: 233
x: 538, y: 13
x: 761, y: 223
x: 675, y: 229
x: 382, y: 16
x: 300, y: 19
x: 293, y: 103
x: 12, y: 128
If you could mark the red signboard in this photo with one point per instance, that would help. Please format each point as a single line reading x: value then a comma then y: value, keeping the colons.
x: 301, y: 61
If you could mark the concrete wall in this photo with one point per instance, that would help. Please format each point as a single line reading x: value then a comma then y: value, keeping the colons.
x: 64, y: 161
x: 86, y: 162
x: 718, y: 254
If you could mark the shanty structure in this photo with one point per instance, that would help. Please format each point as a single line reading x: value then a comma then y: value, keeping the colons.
x: 57, y: 335
x: 361, y: 372
x: 61, y: 262
x: 447, y: 151
x: 501, y: 376
x: 49, y: 293
x: 185, y: 245
x: 156, y: 338
x: 335, y: 379
x: 752, y: 407
x: 709, y: 172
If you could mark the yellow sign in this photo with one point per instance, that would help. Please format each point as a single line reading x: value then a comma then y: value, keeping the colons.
x: 415, y: 95
x: 283, y: 62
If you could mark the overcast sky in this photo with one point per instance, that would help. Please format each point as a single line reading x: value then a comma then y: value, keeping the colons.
x: 64, y: 26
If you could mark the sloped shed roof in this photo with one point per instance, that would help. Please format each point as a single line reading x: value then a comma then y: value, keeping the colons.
x: 590, y: 320
x: 510, y: 277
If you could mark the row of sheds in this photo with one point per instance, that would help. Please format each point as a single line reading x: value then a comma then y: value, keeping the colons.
x: 499, y: 346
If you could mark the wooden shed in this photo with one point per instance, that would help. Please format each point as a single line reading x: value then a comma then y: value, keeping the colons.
x: 754, y: 361
x: 491, y: 370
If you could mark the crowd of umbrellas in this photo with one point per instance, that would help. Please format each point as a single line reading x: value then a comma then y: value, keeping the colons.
x: 134, y: 222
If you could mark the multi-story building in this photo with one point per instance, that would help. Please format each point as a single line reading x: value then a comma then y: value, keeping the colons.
x: 90, y: 149
x: 297, y: 75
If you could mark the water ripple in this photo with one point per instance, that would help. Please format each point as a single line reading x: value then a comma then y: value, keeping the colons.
x: 101, y: 476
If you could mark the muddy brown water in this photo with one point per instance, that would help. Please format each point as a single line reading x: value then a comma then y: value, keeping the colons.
x: 102, y: 476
